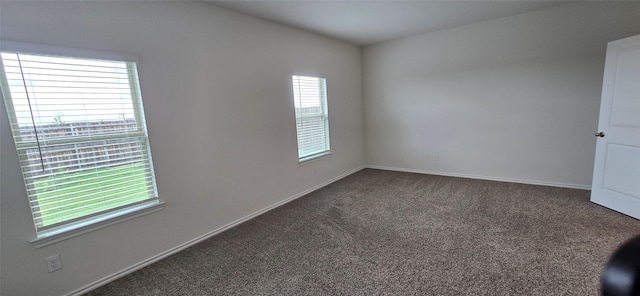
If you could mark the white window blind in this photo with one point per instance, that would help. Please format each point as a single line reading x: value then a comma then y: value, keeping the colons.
x: 312, y: 120
x: 79, y: 129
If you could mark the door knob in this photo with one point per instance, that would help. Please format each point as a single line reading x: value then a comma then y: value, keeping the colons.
x: 600, y: 134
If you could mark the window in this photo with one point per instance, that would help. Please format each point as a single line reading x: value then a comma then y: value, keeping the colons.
x: 79, y: 130
x: 312, y: 120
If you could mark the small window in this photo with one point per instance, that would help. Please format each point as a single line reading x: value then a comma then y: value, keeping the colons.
x: 312, y: 119
x: 79, y: 129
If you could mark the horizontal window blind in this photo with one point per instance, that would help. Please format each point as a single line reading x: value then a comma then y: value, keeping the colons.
x: 78, y: 126
x: 312, y: 121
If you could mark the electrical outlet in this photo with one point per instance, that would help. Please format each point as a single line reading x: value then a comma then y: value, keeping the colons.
x: 435, y: 157
x: 53, y: 263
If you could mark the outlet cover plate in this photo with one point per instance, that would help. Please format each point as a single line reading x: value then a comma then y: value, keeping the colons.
x: 53, y: 263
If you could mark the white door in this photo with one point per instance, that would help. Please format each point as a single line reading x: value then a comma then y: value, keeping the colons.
x: 616, y: 172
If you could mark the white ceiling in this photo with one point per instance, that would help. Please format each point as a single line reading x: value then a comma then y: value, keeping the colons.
x: 369, y: 22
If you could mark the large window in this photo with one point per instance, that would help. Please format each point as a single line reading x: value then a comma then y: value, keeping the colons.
x: 312, y: 119
x: 79, y: 129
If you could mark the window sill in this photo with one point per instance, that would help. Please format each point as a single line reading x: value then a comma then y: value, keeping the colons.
x: 85, y: 226
x: 314, y: 157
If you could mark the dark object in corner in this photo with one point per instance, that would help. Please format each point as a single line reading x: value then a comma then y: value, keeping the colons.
x: 621, y: 275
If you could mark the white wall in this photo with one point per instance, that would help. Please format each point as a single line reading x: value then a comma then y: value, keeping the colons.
x: 510, y: 98
x: 216, y: 92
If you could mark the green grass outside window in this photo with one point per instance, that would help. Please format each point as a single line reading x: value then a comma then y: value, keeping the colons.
x: 81, y: 189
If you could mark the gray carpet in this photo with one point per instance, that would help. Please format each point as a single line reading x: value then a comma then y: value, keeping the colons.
x: 390, y: 233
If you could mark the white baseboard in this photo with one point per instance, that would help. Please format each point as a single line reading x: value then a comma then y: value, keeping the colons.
x: 490, y: 178
x: 137, y: 266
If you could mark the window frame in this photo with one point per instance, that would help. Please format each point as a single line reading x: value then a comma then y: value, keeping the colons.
x: 89, y: 222
x: 324, y: 104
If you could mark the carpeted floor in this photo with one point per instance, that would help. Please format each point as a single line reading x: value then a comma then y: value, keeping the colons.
x: 390, y: 233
